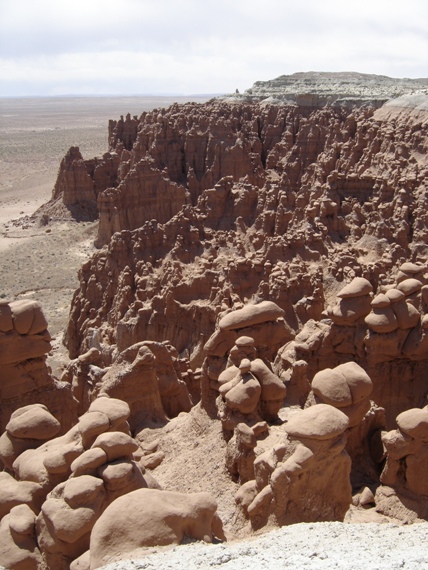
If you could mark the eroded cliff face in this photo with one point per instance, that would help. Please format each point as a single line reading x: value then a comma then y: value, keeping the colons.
x: 24, y: 376
x: 219, y: 204
x: 327, y: 155
x: 80, y: 181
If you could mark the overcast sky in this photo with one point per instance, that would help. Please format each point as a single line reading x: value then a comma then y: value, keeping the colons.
x: 55, y: 47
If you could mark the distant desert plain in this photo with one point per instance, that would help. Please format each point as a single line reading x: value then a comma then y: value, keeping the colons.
x: 35, y: 133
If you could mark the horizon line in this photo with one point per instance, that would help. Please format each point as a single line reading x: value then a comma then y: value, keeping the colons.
x: 69, y: 95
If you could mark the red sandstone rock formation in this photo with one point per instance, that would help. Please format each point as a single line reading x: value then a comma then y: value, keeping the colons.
x: 305, y: 476
x: 148, y: 376
x: 237, y: 371
x: 251, y: 201
x: 406, y: 453
x: 80, y: 181
x: 386, y: 336
x: 263, y: 258
x: 403, y: 477
x: 24, y: 377
x: 66, y: 482
x: 348, y: 388
x: 323, y: 214
x: 28, y: 428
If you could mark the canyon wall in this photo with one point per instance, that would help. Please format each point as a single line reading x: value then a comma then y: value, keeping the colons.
x: 223, y: 203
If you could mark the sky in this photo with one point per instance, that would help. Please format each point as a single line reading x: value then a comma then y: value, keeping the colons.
x: 137, y: 47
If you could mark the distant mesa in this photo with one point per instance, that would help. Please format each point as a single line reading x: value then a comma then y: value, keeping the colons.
x: 315, y: 88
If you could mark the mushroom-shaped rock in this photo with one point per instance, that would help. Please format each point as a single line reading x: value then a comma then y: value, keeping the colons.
x: 26, y: 340
x: 11, y: 447
x: 318, y: 422
x: 116, y: 444
x: 89, y: 461
x: 243, y: 349
x: 349, y: 310
x: 92, y: 424
x: 123, y: 381
x: 18, y: 547
x: 71, y: 523
x: 382, y: 320
x: 245, y: 365
x: 414, y: 423
x: 245, y: 396
x: 409, y: 442
x: 331, y: 386
x: 82, y: 490
x: 272, y: 387
x: 53, y: 457
x: 244, y: 341
x: 357, y: 379
x: 116, y: 410
x: 313, y: 483
x: 411, y: 268
x: 122, y: 473
x: 381, y: 301
x: 246, y: 494
x: 345, y: 385
x: 251, y: 315
x: 407, y: 315
x: 358, y: 287
x: 149, y: 517
x: 22, y: 519
x: 28, y: 317
x: 33, y: 421
x: 409, y: 286
x: 240, y: 454
x: 395, y: 295
x: 13, y: 492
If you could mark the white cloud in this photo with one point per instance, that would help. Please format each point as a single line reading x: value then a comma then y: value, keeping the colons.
x: 189, y: 46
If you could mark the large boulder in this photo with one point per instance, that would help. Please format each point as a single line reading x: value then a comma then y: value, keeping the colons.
x: 149, y: 517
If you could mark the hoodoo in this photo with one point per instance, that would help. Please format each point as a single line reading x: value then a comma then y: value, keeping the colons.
x: 248, y: 345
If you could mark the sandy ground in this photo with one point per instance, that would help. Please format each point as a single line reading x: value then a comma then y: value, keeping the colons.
x: 316, y: 546
x: 35, y: 133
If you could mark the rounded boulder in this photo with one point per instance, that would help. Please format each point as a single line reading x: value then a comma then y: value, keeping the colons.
x: 318, y: 422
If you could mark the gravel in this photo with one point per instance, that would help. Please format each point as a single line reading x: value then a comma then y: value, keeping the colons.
x: 314, y: 546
